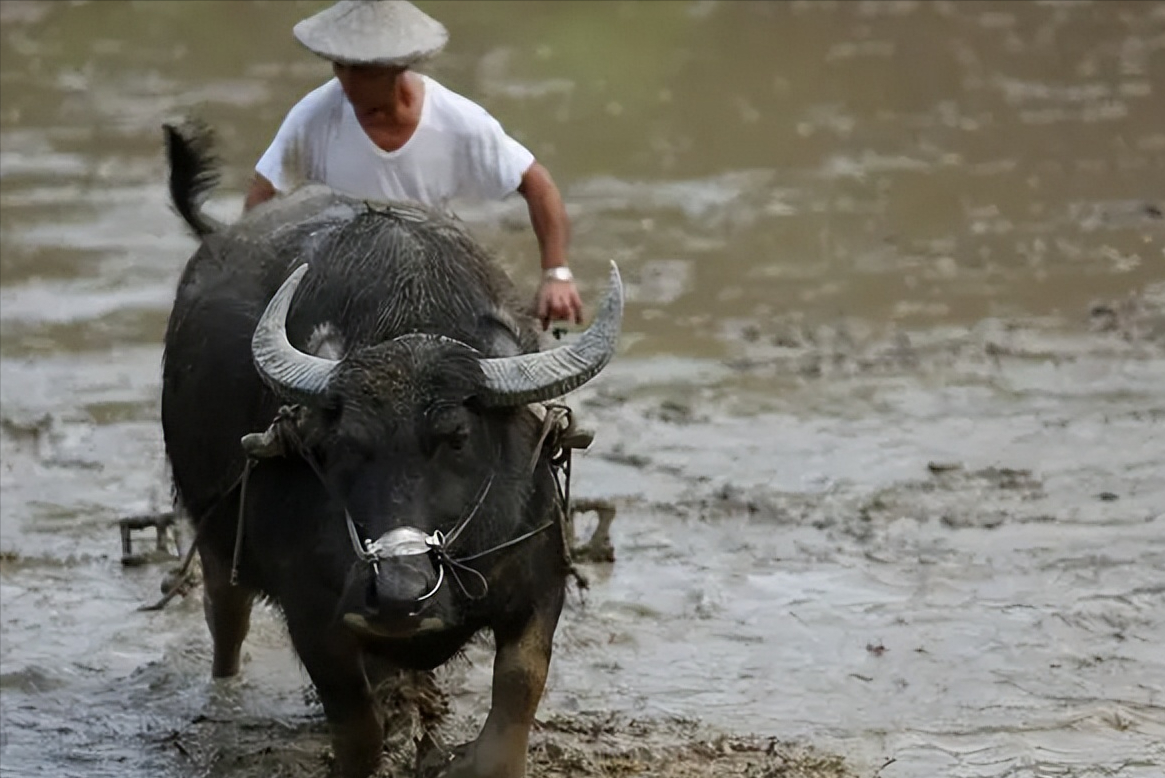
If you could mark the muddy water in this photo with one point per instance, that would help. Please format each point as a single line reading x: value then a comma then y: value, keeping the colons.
x: 859, y: 239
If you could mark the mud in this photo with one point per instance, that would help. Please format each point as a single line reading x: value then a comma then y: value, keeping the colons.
x: 949, y: 565
x: 561, y: 746
x: 885, y: 434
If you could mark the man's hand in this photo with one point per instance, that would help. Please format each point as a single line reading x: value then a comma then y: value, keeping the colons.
x: 558, y: 300
x: 260, y: 191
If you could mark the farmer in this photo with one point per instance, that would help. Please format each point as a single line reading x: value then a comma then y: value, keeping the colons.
x: 381, y: 131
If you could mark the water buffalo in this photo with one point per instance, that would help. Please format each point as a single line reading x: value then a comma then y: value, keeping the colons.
x: 406, y: 498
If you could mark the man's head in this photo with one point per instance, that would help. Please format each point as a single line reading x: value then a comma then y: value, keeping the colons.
x: 377, y: 34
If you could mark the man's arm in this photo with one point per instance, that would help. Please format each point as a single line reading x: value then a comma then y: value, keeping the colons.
x: 557, y: 299
x: 261, y: 191
x: 285, y: 163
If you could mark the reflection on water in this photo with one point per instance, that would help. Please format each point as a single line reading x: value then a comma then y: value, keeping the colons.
x: 898, y: 164
x: 903, y: 161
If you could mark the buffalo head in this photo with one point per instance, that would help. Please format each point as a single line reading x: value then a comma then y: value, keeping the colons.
x: 419, y: 435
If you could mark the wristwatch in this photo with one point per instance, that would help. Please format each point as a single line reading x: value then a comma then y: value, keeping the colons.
x: 560, y: 273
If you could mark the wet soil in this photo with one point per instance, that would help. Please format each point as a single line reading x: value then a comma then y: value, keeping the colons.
x: 935, y: 566
x: 885, y: 433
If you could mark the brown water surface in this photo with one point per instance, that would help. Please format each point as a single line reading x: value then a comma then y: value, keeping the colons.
x: 858, y: 238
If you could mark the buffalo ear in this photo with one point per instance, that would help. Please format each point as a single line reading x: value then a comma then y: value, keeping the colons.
x: 501, y: 335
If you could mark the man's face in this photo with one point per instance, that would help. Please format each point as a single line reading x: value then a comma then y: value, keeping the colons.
x: 366, y: 83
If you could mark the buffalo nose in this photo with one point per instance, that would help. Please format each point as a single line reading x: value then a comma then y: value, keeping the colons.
x: 400, y: 583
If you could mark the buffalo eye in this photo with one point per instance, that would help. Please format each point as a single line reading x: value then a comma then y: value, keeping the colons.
x: 451, y: 429
x: 457, y: 437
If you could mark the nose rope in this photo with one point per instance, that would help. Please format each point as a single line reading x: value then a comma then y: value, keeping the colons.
x: 371, y: 553
x: 437, y: 543
x: 461, y: 525
x: 436, y: 586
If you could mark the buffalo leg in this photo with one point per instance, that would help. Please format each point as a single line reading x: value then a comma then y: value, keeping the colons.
x: 228, y: 613
x: 334, y: 661
x: 520, y: 667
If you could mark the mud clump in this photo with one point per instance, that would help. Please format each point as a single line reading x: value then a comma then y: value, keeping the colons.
x: 956, y: 497
x: 1000, y: 495
x: 598, y: 745
x: 612, y: 747
x: 788, y: 345
x: 1137, y: 318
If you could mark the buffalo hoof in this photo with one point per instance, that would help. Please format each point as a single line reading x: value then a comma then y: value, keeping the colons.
x: 459, y: 764
x: 433, y: 759
x: 381, y: 768
x: 466, y: 761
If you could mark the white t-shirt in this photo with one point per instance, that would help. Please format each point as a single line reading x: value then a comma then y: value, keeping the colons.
x: 457, y: 151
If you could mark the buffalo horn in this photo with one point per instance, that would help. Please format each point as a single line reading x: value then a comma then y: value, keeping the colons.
x: 540, y: 376
x: 289, y: 371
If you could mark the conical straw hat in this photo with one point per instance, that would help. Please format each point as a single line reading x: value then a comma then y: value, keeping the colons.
x: 372, y: 32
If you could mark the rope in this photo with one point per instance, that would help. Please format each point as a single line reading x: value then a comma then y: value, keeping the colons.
x: 284, y: 429
x: 182, y: 578
x: 507, y: 544
x: 184, y: 573
x: 238, y: 552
